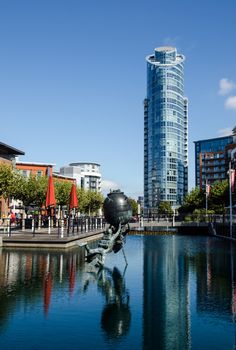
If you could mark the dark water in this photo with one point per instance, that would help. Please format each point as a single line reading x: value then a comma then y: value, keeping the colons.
x: 176, y: 293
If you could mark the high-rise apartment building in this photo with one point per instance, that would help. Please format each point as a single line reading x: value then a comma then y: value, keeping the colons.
x: 212, y: 160
x: 165, y: 130
x: 87, y: 175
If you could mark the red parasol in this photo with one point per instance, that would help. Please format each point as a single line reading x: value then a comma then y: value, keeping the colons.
x: 50, y: 197
x: 73, y: 197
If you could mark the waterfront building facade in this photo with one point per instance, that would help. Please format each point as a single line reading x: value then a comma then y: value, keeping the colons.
x: 212, y: 160
x: 34, y: 168
x: 87, y: 175
x: 8, y: 155
x: 165, y: 130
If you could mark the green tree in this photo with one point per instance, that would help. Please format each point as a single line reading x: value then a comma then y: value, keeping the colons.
x: 6, y: 180
x: 134, y: 206
x: 193, y: 200
x: 93, y: 202
x: 165, y: 208
x: 18, y: 185
x: 82, y: 199
x: 219, y: 196
x: 62, y: 192
x: 32, y: 190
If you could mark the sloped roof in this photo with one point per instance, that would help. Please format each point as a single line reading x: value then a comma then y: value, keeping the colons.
x: 9, y: 150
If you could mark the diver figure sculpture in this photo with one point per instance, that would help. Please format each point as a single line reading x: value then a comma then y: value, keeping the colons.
x: 117, y: 212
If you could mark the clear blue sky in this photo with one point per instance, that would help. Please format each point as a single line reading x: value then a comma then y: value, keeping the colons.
x: 73, y: 77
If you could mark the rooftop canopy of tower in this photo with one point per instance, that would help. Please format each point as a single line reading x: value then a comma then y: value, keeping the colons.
x: 165, y: 49
x: 164, y: 56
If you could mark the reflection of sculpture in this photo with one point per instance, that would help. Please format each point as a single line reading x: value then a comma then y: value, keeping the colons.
x: 116, y: 315
x: 117, y: 212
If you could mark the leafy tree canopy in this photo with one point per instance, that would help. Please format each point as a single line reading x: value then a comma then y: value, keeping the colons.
x: 219, y: 196
x: 134, y: 206
x: 193, y: 200
x: 165, y: 208
x: 6, y: 180
x: 62, y: 192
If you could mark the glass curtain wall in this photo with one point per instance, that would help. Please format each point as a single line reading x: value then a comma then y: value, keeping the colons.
x: 165, y: 130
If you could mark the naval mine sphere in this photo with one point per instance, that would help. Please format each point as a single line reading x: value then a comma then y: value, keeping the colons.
x: 117, y: 208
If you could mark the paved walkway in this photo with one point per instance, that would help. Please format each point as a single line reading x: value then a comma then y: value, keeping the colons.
x: 42, y: 239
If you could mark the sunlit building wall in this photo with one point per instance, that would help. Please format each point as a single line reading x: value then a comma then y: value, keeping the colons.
x: 165, y: 129
x: 87, y: 175
x: 211, y: 160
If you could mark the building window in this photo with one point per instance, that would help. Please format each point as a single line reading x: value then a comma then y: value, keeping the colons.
x: 25, y: 173
x: 39, y: 173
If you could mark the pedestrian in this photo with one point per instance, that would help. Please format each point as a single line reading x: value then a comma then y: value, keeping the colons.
x: 12, y: 217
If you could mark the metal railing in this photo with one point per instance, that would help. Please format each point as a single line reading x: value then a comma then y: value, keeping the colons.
x: 62, y: 227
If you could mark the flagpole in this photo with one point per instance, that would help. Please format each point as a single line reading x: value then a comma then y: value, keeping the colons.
x: 230, y: 202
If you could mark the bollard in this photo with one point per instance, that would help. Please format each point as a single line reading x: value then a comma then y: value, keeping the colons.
x: 9, y: 227
x: 49, y: 225
x: 86, y: 225
x: 96, y: 224
x: 39, y: 222
x: 58, y: 228
x: 23, y: 224
x: 68, y: 226
x: 62, y: 228
x: 33, y: 227
x: 142, y: 222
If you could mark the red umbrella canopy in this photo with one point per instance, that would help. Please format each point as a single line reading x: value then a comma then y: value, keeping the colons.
x: 50, y: 197
x: 73, y: 197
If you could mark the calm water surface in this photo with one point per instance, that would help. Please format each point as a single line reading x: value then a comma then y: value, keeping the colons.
x: 177, y: 292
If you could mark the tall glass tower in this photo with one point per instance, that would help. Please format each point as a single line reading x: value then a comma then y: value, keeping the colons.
x: 165, y: 130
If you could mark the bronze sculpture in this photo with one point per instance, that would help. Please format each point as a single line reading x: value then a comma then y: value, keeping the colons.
x: 117, y: 212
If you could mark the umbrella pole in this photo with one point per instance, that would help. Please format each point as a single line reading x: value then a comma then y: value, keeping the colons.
x: 73, y: 220
x: 49, y: 221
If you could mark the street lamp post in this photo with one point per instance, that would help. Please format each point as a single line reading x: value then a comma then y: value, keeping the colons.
x: 230, y: 202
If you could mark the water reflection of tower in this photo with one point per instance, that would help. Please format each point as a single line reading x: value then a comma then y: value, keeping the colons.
x: 166, y: 295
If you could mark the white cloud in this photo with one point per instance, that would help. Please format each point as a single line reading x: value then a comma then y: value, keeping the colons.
x: 225, y: 132
x: 226, y: 86
x: 108, y: 185
x: 230, y: 103
x: 171, y: 41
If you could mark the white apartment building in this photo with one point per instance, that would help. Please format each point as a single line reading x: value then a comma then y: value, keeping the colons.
x: 87, y: 175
